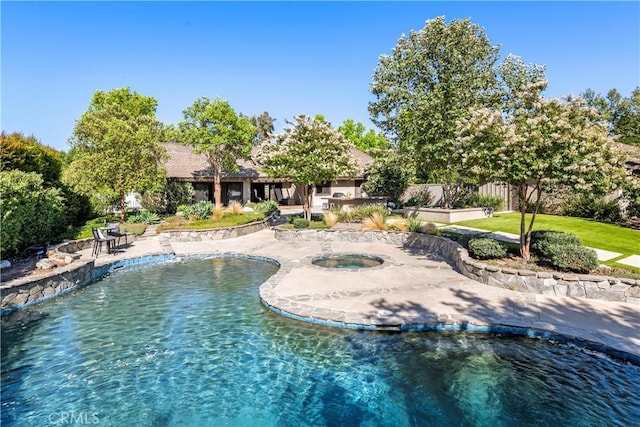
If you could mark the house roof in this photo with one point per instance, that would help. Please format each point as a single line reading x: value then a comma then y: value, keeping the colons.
x: 185, y: 164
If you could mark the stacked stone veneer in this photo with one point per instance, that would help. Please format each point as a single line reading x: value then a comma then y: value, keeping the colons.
x: 25, y: 291
x: 546, y: 283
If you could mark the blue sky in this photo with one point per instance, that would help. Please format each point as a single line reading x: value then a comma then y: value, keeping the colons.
x: 282, y: 57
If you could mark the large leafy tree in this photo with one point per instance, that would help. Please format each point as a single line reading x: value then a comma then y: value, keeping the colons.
x: 389, y: 175
x: 621, y: 113
x: 26, y: 153
x: 533, y: 143
x: 116, y: 147
x: 263, y: 124
x: 214, y: 128
x: 309, y: 152
x: 365, y: 140
x: 431, y: 80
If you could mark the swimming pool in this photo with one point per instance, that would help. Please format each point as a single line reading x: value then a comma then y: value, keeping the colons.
x: 189, y: 343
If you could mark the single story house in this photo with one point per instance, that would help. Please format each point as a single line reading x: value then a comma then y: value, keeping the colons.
x: 250, y: 184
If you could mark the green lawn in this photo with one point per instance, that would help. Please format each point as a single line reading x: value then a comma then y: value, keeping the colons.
x: 313, y: 225
x: 594, y: 234
x: 229, y: 220
x: 84, y: 232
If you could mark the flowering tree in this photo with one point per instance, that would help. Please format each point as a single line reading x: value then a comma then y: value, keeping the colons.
x: 534, y: 143
x: 432, y: 79
x: 213, y: 128
x: 309, y: 152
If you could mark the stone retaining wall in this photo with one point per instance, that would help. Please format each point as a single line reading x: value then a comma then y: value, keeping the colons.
x: 220, y: 233
x: 545, y: 283
x: 26, y: 291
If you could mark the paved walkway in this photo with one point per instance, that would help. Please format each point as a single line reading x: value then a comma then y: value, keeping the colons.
x: 410, y: 288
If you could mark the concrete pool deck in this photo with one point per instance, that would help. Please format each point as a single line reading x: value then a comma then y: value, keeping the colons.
x: 410, y: 290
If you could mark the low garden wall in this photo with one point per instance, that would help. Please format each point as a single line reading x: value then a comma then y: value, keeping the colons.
x: 445, y: 216
x: 220, y: 233
x: 545, y: 283
x: 25, y: 291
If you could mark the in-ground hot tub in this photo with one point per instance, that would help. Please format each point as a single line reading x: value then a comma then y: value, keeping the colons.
x: 347, y: 261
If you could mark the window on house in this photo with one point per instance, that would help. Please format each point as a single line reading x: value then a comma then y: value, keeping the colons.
x: 201, y: 191
x: 324, y: 188
x: 231, y: 192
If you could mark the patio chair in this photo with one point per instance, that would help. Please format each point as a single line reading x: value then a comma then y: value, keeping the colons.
x: 99, y: 239
x: 113, y: 229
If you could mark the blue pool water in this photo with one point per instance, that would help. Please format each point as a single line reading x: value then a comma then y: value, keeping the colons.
x: 189, y: 344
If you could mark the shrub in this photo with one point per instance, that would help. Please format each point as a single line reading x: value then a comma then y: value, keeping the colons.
x: 592, y: 207
x: 375, y: 222
x: 462, y: 198
x: 27, y: 154
x: 478, y: 200
x: 545, y: 242
x: 78, y: 206
x: 398, y: 226
x: 176, y: 194
x: 201, y: 210
x: 291, y: 218
x: 330, y: 218
x: 186, y: 210
x: 300, y: 223
x: 563, y: 251
x: 218, y: 213
x: 31, y: 213
x: 343, y: 216
x: 235, y: 208
x: 484, y: 248
x: 420, y: 196
x: 168, y: 198
x: 144, y: 217
x: 574, y: 258
x: 365, y: 211
x: 631, y: 194
x: 542, y: 208
x: 414, y: 225
x: 268, y: 207
x: 431, y: 228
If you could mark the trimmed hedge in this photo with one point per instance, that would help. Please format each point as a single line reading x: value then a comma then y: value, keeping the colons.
x: 563, y: 251
x: 485, y: 248
x: 300, y: 223
x: 575, y: 258
x: 544, y: 243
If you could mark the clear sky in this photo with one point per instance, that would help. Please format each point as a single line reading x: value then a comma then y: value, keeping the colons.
x: 282, y: 57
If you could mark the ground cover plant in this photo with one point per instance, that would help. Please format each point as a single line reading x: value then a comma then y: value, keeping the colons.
x: 609, y: 237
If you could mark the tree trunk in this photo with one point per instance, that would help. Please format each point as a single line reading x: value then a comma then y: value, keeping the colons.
x: 526, y: 249
x: 217, y: 190
x: 525, y: 238
x: 123, y: 208
x: 306, y: 201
